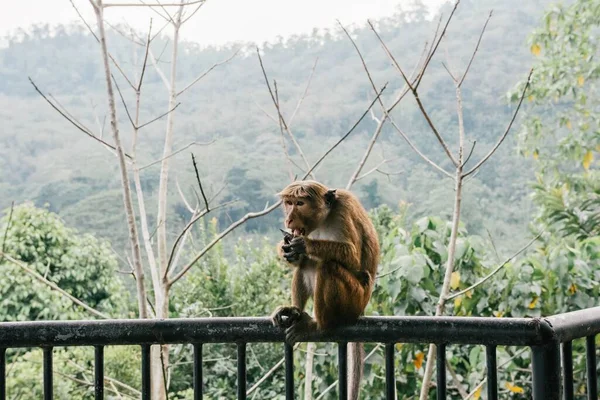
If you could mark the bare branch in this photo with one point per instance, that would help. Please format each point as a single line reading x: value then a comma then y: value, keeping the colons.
x: 116, y: 64
x: 123, y: 101
x: 347, y: 133
x: 200, y: 183
x: 160, y: 116
x: 334, y: 384
x: 202, y: 75
x: 159, y: 71
x: 79, y: 126
x: 282, y: 136
x: 268, y: 373
x: 145, y: 63
x: 412, y: 146
x: 470, y: 153
x: 107, y: 5
x: 187, y: 228
x: 267, y: 210
x: 8, y: 223
x: 475, y: 51
x: 493, y: 150
x: 53, y: 285
x: 193, y: 13
x: 177, y: 152
x: 416, y: 94
x: 432, y: 52
x: 498, y: 268
x: 305, y: 91
x: 217, y: 239
x: 449, y: 72
x: 282, y: 119
x: 187, y: 204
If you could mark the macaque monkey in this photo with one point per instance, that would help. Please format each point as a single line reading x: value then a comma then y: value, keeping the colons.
x: 334, y: 249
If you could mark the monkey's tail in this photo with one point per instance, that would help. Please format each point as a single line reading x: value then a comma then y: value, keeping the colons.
x: 356, y: 356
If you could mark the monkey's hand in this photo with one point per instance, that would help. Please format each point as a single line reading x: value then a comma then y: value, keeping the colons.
x: 284, y: 317
x: 300, y: 329
x: 294, y: 250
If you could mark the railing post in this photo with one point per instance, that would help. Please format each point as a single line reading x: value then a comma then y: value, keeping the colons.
x: 343, y: 370
x: 390, y: 375
x: 592, y: 378
x: 546, y: 372
x: 48, y: 386
x: 197, y: 371
x: 2, y: 374
x: 289, y: 371
x: 99, y: 372
x: 241, y: 371
x: 567, y: 370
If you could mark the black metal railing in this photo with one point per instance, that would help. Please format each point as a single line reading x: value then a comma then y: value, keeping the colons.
x: 547, y: 337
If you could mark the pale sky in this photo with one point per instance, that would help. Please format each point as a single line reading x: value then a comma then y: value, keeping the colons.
x: 218, y: 22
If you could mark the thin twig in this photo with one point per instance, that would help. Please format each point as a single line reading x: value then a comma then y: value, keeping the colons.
x: 98, y: 40
x: 177, y: 152
x: 476, y: 48
x: 8, y: 223
x: 334, y: 384
x: 282, y: 119
x: 106, y: 5
x: 282, y: 136
x: 470, y: 153
x: 498, y: 268
x: 432, y: 52
x: 81, y: 127
x: 200, y: 183
x: 160, y: 116
x: 202, y: 75
x: 413, y: 89
x: 187, y: 228
x: 148, y: 41
x: 123, y: 101
x: 312, y: 71
x: 53, y: 285
x: 493, y: 150
x: 267, y: 210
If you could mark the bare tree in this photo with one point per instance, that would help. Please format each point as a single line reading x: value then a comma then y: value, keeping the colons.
x: 161, y: 257
x: 458, y: 160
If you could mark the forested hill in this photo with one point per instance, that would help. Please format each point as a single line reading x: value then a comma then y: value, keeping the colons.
x: 45, y: 159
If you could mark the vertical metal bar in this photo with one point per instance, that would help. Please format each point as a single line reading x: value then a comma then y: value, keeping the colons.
x: 390, y: 375
x: 592, y: 382
x: 441, y: 372
x: 546, y: 372
x: 48, y: 393
x: 197, y: 371
x: 2, y: 374
x: 145, y: 372
x: 241, y: 367
x: 492, y: 372
x: 99, y: 372
x: 567, y: 365
x: 289, y: 371
x: 343, y: 370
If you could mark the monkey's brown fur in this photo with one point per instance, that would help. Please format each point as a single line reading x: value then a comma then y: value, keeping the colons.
x: 335, y: 252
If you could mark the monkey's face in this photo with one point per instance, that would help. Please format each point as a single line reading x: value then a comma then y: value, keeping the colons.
x: 302, y: 215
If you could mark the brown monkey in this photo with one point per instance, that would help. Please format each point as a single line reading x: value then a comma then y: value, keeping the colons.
x: 334, y: 249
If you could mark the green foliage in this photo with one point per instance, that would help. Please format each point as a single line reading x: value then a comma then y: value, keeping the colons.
x: 80, y: 264
x: 562, y: 131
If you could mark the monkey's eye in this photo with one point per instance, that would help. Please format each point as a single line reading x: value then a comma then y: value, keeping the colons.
x: 289, y: 202
x: 300, y: 203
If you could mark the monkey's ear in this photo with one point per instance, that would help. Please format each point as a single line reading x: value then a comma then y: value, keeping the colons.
x: 330, y: 197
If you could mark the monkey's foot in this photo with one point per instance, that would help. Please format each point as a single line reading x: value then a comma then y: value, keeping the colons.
x: 285, y: 316
x: 301, y: 329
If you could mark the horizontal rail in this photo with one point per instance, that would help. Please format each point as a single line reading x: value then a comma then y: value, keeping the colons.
x: 459, y: 330
x: 575, y: 324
